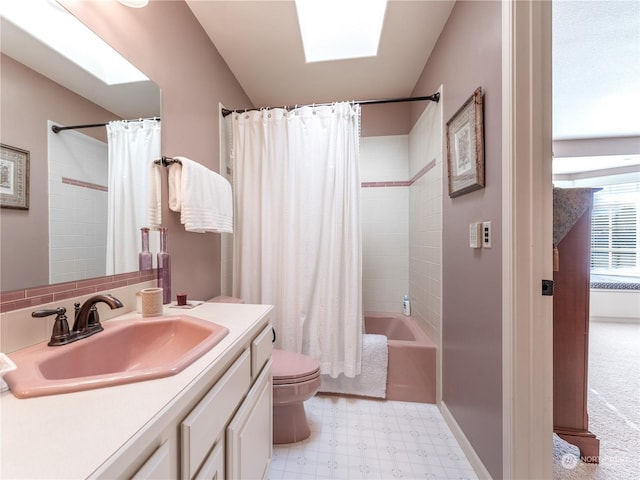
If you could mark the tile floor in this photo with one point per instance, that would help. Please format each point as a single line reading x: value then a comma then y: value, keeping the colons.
x: 355, y: 438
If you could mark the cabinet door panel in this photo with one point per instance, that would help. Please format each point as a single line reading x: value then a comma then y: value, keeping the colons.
x: 250, y: 433
x: 157, y: 466
x: 213, y: 466
x: 206, y: 421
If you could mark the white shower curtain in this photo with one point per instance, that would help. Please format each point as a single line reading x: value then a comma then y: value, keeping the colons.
x: 132, y: 146
x: 297, y: 234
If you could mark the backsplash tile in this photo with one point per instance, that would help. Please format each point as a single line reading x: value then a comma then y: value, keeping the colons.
x: 28, y: 297
x: 49, y: 289
x: 19, y: 330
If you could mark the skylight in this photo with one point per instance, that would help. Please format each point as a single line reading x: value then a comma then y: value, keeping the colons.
x: 340, y: 29
x: 54, y: 26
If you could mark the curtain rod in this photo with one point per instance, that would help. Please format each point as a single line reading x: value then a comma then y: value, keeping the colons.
x: 433, y: 98
x: 57, y: 129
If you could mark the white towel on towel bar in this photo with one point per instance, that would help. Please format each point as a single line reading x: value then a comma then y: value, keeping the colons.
x: 202, y: 197
x: 155, y: 197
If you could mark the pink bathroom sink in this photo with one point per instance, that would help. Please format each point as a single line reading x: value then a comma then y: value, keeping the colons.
x: 126, y: 351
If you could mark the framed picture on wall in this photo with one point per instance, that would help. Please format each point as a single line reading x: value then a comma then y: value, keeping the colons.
x: 14, y: 177
x: 465, y: 147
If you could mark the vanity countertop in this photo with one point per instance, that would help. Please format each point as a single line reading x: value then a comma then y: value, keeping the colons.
x: 72, y: 435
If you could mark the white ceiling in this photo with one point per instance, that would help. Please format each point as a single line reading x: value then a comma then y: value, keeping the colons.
x: 596, y: 68
x: 261, y: 43
x: 596, y: 60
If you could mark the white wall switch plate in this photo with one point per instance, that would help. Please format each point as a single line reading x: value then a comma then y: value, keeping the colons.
x: 486, y: 234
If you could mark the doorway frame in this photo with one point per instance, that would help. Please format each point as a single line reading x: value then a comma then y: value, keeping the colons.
x: 527, y: 218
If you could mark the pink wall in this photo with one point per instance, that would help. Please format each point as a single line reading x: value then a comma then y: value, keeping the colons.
x: 468, y: 55
x: 385, y: 119
x: 28, y: 101
x: 165, y: 41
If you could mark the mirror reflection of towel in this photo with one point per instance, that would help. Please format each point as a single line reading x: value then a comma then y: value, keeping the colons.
x: 155, y: 197
x: 202, y: 197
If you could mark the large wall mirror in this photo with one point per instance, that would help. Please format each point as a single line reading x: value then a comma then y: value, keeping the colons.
x: 60, y: 236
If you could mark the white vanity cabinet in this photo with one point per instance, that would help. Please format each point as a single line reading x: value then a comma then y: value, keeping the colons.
x: 225, y: 431
x: 210, y: 420
x: 211, y: 451
x: 244, y: 395
x: 204, y: 426
x: 247, y: 455
x: 157, y: 466
x: 213, y: 466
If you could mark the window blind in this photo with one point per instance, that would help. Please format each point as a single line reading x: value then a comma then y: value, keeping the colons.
x: 615, y: 227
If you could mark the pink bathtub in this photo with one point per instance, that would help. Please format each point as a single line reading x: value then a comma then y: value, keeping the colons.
x: 411, y: 374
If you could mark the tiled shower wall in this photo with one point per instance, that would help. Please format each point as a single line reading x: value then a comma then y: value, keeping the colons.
x: 78, y: 170
x: 401, y: 201
x: 425, y: 220
x: 384, y: 172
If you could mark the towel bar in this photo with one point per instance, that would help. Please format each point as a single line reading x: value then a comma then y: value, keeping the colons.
x: 166, y: 161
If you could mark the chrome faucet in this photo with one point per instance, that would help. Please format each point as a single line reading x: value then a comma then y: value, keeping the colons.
x: 87, y: 320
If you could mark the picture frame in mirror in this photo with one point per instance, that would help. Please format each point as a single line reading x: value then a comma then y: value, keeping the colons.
x: 14, y: 177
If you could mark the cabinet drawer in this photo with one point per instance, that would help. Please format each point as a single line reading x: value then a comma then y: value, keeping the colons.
x: 207, y: 420
x: 261, y: 350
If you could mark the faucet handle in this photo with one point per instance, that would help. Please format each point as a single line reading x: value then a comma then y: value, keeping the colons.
x: 60, y: 334
x: 46, y: 313
x: 94, y: 324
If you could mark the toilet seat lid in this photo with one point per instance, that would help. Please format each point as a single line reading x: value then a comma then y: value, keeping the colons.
x: 293, y: 367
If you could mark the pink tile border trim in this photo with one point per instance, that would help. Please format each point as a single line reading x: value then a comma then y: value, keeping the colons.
x: 29, y: 297
x: 402, y: 183
x: 80, y: 183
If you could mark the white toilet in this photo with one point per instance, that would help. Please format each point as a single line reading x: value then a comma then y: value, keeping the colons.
x: 296, y: 378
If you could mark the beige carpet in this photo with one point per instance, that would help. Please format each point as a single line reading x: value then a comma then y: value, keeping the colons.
x: 613, y: 406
